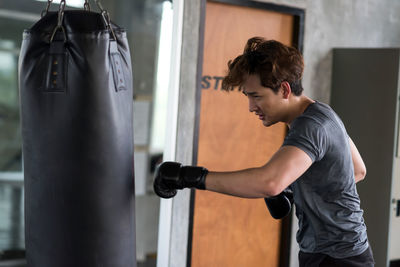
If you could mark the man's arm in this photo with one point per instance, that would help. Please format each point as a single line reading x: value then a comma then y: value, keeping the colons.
x: 359, y: 167
x: 287, y: 164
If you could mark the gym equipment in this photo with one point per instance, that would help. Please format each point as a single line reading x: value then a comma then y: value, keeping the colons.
x: 76, y: 99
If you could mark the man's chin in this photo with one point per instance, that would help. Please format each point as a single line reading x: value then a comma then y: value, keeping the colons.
x: 267, y: 123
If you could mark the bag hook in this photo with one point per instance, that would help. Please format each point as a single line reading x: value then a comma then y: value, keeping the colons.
x: 59, y: 22
x: 106, y: 18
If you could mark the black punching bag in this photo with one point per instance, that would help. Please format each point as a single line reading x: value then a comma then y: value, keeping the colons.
x: 76, y: 114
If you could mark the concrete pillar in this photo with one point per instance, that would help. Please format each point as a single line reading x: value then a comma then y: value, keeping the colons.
x: 174, y: 214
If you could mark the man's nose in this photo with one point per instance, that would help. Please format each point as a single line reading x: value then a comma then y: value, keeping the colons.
x: 252, y: 106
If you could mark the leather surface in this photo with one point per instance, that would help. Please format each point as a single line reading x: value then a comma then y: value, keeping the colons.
x: 77, y: 144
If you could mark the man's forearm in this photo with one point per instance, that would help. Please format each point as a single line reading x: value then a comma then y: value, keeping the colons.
x: 248, y: 183
x: 285, y: 166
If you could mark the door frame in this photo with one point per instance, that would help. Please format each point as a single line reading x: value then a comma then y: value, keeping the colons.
x: 297, y: 41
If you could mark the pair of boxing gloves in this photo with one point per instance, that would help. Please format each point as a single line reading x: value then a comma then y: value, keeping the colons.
x: 171, y: 176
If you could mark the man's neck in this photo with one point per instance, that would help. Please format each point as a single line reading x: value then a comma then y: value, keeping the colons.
x: 298, y: 106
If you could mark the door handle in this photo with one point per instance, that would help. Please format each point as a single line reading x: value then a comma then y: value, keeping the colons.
x: 396, y: 202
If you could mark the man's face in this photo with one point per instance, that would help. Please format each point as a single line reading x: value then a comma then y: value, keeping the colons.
x: 264, y: 102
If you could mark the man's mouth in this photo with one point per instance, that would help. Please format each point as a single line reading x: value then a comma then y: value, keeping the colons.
x: 261, y: 117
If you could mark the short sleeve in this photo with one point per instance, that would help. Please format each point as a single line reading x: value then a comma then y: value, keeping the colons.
x: 309, y: 136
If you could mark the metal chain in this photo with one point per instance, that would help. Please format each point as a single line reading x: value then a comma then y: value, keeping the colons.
x: 106, y: 18
x: 59, y: 26
x: 44, y: 12
x: 61, y: 13
x: 49, y: 2
x: 100, y: 6
x: 87, y: 5
x: 59, y: 21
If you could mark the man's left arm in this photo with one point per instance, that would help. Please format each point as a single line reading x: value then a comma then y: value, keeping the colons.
x: 359, y: 167
x: 286, y: 165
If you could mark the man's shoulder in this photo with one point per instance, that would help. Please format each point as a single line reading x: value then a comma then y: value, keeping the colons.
x: 317, y: 114
x: 319, y: 110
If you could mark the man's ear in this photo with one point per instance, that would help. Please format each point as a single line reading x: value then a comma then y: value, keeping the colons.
x: 286, y: 89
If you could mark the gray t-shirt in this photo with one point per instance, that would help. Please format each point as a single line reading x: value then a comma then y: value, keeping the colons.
x: 326, y: 199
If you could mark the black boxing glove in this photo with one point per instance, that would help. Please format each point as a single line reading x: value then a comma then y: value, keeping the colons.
x: 171, y: 176
x: 279, y: 206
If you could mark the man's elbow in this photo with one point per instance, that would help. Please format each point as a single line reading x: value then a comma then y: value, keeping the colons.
x: 360, y: 174
x: 271, y: 189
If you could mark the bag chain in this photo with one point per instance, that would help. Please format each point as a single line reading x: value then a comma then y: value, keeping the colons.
x: 104, y: 13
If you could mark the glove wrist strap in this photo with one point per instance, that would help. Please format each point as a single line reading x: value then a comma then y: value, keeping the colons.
x: 194, y: 177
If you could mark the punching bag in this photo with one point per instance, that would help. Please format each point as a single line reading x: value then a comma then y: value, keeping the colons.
x: 76, y: 101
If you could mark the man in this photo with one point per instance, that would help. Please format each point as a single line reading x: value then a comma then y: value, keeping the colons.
x: 317, y: 161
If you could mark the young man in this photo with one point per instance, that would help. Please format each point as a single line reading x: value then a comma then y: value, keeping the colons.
x: 317, y: 161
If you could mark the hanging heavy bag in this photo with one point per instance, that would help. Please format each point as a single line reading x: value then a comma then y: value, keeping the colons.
x: 76, y: 114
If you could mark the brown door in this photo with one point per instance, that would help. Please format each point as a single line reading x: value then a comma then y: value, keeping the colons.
x: 230, y: 231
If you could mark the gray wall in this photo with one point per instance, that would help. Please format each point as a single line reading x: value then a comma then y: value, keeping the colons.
x: 342, y: 23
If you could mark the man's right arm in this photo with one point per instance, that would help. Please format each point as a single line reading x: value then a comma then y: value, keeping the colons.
x: 359, y: 167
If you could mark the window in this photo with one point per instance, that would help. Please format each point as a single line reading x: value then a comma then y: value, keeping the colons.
x: 11, y: 177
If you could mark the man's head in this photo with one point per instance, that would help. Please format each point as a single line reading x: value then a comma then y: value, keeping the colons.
x: 273, y: 61
x: 269, y: 74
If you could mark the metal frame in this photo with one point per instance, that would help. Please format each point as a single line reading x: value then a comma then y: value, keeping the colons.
x: 166, y: 205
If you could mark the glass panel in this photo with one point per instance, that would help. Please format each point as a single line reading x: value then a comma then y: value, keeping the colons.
x: 10, y: 145
x: 11, y: 179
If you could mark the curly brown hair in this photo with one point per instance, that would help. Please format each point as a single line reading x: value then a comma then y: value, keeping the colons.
x: 272, y: 60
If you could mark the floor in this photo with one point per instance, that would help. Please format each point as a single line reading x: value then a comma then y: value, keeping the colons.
x: 22, y: 263
x: 13, y: 263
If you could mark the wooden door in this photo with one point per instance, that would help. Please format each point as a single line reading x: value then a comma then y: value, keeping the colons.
x: 230, y: 231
